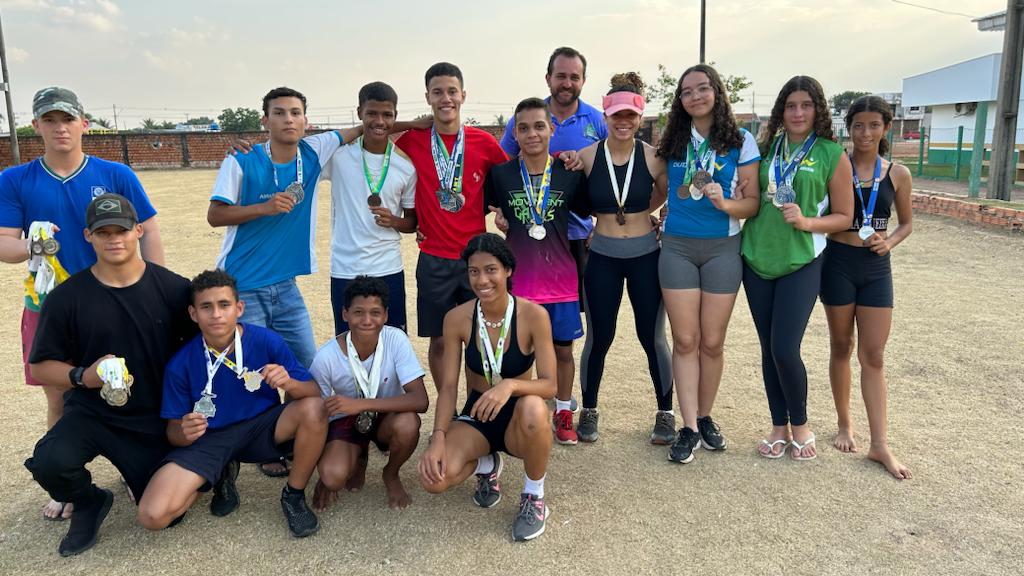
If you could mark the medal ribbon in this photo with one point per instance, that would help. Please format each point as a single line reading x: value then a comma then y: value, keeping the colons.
x: 376, y: 186
x: 620, y: 195
x: 448, y: 167
x: 698, y: 157
x: 273, y: 170
x: 868, y: 210
x: 787, y: 174
x: 366, y: 384
x: 489, y: 358
x: 536, y: 200
x: 222, y: 357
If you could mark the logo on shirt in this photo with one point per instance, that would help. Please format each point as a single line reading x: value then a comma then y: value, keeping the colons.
x: 590, y: 132
x: 98, y: 191
x: 807, y: 165
x: 477, y: 176
x: 521, y: 208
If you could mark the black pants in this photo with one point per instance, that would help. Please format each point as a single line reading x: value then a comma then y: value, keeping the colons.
x: 603, y: 282
x: 59, y: 459
x: 580, y: 253
x: 781, y: 309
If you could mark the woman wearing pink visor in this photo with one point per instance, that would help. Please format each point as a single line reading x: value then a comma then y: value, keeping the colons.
x: 626, y: 182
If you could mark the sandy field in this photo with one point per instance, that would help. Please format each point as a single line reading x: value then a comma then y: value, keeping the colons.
x: 618, y: 506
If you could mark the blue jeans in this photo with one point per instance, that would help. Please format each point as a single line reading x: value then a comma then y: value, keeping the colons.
x: 281, y: 308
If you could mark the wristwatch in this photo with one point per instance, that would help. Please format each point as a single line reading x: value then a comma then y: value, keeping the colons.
x: 75, y: 375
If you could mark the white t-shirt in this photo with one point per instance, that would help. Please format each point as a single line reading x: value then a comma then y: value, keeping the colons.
x: 398, y: 368
x: 358, y: 244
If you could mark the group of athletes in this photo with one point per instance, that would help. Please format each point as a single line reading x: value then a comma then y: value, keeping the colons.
x: 176, y: 382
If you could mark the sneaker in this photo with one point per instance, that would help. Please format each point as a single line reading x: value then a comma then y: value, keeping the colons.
x: 664, y: 432
x: 562, y: 425
x: 301, y: 520
x: 530, y: 520
x: 574, y: 406
x: 710, y: 434
x: 586, y: 429
x: 225, y: 494
x: 85, y: 523
x: 682, y: 449
x: 488, y: 486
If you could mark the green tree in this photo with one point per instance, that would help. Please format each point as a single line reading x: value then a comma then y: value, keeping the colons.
x: 842, y: 101
x: 664, y: 89
x: 101, y: 122
x: 471, y: 121
x: 500, y: 120
x: 239, y: 120
x: 201, y: 121
x: 150, y: 124
x: 26, y: 130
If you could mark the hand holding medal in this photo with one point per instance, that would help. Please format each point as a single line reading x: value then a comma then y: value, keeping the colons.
x: 280, y: 203
x: 715, y: 195
x: 276, y: 377
x: 117, y: 381
x: 193, y: 426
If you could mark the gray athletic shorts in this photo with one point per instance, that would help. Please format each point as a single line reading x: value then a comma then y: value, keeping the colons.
x: 712, y: 264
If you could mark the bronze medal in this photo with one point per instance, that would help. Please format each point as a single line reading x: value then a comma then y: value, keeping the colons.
x: 373, y: 200
x: 620, y: 217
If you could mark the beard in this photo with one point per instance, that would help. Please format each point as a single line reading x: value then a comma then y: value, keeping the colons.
x: 566, y: 97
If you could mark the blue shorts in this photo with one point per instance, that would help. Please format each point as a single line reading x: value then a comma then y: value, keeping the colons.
x: 250, y: 441
x: 565, y: 322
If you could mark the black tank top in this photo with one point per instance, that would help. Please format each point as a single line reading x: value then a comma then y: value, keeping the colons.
x: 599, y: 187
x: 883, y: 206
x: 513, y: 364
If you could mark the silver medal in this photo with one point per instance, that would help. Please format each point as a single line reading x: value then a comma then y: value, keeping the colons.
x: 450, y: 200
x: 114, y: 395
x: 252, y: 380
x: 296, y: 191
x: 205, y: 406
x: 696, y: 192
x: 865, y: 232
x: 538, y: 232
x: 364, y: 422
x: 785, y: 194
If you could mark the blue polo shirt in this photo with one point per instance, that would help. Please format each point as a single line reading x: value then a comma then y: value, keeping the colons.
x: 32, y: 192
x: 271, y: 249
x: 578, y: 131
x: 185, y: 378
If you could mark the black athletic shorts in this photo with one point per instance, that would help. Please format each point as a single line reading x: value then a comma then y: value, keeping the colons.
x: 493, y: 431
x: 855, y: 275
x: 250, y: 440
x: 441, y: 284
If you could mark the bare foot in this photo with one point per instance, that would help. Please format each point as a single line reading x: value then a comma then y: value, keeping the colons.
x: 358, y: 477
x: 397, y: 496
x: 844, y: 441
x: 775, y: 444
x: 58, y: 510
x: 323, y: 498
x: 885, y: 457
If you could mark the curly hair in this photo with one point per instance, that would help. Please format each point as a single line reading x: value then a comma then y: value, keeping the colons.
x: 208, y: 279
x: 494, y: 245
x: 871, y: 104
x: 367, y: 287
x: 627, y: 82
x: 725, y: 134
x: 822, y: 115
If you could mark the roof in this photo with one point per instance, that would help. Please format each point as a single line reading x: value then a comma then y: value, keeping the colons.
x: 974, y: 80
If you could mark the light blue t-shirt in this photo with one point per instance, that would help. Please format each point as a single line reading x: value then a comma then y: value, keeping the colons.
x: 271, y: 249
x: 700, y: 218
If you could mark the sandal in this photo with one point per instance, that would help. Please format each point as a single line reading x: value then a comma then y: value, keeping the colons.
x: 798, y: 448
x: 275, y: 473
x: 772, y: 454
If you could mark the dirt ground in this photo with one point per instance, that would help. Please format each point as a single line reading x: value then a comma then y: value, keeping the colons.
x: 618, y: 506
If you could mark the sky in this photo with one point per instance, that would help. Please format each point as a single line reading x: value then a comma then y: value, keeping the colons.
x: 188, y: 58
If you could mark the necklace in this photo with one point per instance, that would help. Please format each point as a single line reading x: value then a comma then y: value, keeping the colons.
x: 497, y: 324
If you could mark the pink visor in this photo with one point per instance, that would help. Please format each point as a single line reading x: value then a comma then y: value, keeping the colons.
x: 617, y: 101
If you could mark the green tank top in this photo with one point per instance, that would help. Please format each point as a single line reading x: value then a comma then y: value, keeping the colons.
x: 770, y: 246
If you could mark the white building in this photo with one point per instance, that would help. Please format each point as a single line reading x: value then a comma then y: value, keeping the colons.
x: 953, y: 93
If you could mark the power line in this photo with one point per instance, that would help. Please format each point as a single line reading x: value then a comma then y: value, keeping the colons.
x: 939, y: 10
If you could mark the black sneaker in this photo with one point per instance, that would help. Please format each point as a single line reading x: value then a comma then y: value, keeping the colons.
x: 530, y: 520
x: 710, y: 434
x: 85, y: 523
x: 301, y: 520
x: 664, y: 432
x: 586, y: 429
x: 225, y: 493
x: 682, y: 449
x: 488, y: 486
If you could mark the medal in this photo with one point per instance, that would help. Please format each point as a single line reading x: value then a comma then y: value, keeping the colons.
x: 490, y: 357
x: 252, y: 380
x: 538, y: 232
x: 701, y: 179
x: 117, y: 381
x: 683, y: 191
x: 366, y: 383
x: 449, y: 169
x: 373, y: 200
x: 867, y: 209
x: 619, y: 194
x: 699, y: 160
x: 375, y: 185
x: 865, y: 232
x: 295, y: 189
x: 205, y: 406
x: 696, y: 192
x: 785, y: 194
x: 364, y: 422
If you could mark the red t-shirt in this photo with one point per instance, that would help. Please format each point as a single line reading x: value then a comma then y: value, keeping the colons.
x: 447, y: 233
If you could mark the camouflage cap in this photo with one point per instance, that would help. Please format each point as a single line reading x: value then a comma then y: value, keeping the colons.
x: 56, y: 98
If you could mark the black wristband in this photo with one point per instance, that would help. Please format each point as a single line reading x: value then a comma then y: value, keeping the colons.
x: 75, y: 376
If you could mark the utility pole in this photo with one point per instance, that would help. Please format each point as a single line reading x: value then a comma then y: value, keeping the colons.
x: 1003, y: 169
x: 702, y: 9
x: 15, y: 153
x: 115, y: 117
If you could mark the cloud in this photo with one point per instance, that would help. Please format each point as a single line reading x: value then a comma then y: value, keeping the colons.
x: 17, y: 55
x: 98, y: 15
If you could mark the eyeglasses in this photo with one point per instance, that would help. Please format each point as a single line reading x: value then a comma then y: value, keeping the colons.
x: 702, y: 90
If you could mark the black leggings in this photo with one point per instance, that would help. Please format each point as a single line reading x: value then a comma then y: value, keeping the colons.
x: 602, y: 283
x: 781, y: 309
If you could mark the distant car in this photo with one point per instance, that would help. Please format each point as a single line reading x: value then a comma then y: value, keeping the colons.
x: 912, y: 135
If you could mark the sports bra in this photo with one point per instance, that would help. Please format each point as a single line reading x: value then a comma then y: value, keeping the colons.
x: 883, y: 205
x: 599, y: 187
x: 513, y: 364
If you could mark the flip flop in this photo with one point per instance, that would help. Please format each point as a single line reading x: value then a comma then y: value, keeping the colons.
x: 798, y: 448
x: 772, y: 455
x: 59, y: 517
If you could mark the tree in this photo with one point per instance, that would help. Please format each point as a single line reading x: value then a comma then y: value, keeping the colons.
x: 842, y: 101
x: 471, y: 121
x: 734, y: 85
x: 150, y: 124
x: 201, y: 121
x: 26, y: 130
x: 101, y: 122
x: 500, y: 120
x: 239, y: 120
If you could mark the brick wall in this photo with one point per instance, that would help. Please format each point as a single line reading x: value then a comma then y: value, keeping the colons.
x: 994, y: 216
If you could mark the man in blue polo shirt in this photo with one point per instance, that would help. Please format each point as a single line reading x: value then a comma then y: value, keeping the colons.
x: 265, y: 198
x: 577, y: 125
x: 45, y: 200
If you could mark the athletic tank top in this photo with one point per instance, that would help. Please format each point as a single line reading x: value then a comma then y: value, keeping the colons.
x: 513, y: 364
x: 883, y: 206
x: 599, y: 187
